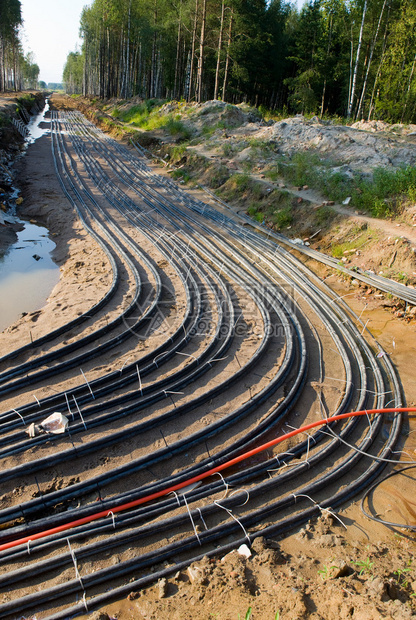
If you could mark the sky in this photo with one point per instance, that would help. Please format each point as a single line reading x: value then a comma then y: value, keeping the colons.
x: 50, y: 31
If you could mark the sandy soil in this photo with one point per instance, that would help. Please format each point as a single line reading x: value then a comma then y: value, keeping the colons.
x: 328, y: 570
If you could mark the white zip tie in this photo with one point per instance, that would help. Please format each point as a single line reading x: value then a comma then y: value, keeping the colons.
x: 218, y: 359
x: 233, y: 517
x: 124, y: 363
x: 84, y: 600
x: 140, y: 380
x: 187, y: 355
x: 69, y: 408
x: 239, y: 491
x: 372, y: 456
x: 110, y: 512
x: 74, y: 559
x: 225, y: 483
x: 37, y: 400
x: 86, y: 381
x: 28, y: 546
x: 320, y: 508
x: 202, y: 518
x: 369, y: 423
x: 177, y: 497
x: 154, y: 360
x: 20, y: 416
x: 79, y: 411
x: 192, y: 521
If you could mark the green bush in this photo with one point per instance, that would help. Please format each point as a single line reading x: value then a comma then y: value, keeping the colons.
x: 384, y: 194
x: 283, y: 217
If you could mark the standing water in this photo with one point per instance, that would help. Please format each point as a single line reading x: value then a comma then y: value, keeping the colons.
x: 27, y: 271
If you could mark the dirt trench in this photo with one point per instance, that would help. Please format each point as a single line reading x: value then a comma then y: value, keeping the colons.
x: 342, y: 566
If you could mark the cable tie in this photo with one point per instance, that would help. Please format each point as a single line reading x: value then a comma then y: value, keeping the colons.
x: 20, y: 416
x: 233, y: 517
x: 177, y: 497
x: 86, y: 381
x: 84, y: 600
x: 217, y: 473
x: 192, y: 521
x: 110, y: 512
x: 140, y: 381
x: 28, y: 546
x: 79, y: 411
x: 202, y: 518
x: 238, y: 491
x: 69, y: 408
x: 186, y: 355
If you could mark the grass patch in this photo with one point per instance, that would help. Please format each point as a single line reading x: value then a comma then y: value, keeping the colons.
x: 282, y: 218
x: 385, y: 194
x: 358, y: 237
x: 325, y: 215
x: 302, y: 169
x: 177, y: 152
x: 148, y: 116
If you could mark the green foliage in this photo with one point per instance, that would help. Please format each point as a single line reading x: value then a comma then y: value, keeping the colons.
x: 247, y: 616
x: 139, y: 114
x: 359, y: 236
x: 177, y: 152
x: 283, y: 218
x: 325, y: 215
x: 73, y: 73
x: 402, y: 574
x: 365, y: 566
x: 384, y: 193
x: 302, y: 169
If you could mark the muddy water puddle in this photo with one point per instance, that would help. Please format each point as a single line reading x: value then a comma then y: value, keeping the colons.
x: 27, y: 274
x: 39, y: 125
x: 27, y: 271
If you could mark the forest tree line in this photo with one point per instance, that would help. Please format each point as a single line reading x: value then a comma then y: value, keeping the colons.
x: 352, y: 58
x: 17, y: 70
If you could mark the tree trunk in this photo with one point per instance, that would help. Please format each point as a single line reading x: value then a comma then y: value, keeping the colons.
x: 201, y: 52
x: 373, y: 44
x: 217, y: 71
x: 227, y: 61
x: 178, y: 43
x: 370, y: 111
x: 357, y: 59
x: 408, y: 88
x: 191, y: 69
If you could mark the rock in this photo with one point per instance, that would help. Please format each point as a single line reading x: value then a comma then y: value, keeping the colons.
x: 340, y: 569
x: 196, y: 574
x: 244, y: 551
x: 162, y: 588
x: 378, y: 587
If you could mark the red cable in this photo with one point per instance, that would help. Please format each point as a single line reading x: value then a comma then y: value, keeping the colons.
x: 210, y: 472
